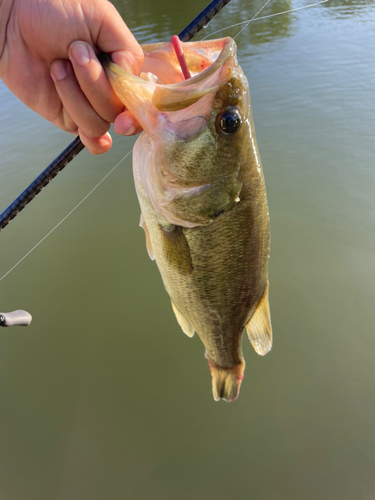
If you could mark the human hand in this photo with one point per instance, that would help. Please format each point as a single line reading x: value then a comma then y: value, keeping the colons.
x: 48, y: 60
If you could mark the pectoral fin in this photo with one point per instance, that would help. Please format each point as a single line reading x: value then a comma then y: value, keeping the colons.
x: 176, y: 249
x: 150, y: 250
x: 186, y: 326
x: 259, y: 328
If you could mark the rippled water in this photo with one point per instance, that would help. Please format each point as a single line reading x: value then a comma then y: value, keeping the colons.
x: 103, y: 396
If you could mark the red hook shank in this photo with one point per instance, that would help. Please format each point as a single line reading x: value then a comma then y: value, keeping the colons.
x: 180, y: 56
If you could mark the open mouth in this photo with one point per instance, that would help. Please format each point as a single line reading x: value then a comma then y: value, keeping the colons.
x: 160, y: 93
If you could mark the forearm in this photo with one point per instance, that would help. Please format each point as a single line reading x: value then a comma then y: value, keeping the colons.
x: 5, y: 10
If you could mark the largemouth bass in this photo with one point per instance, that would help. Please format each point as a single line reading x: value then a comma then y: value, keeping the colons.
x: 200, y: 185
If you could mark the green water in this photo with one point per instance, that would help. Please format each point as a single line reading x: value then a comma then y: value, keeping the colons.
x: 103, y: 397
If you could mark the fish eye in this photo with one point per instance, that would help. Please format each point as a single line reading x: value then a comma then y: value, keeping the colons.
x: 229, y: 121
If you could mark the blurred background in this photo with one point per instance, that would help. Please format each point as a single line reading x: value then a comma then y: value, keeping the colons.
x: 103, y: 396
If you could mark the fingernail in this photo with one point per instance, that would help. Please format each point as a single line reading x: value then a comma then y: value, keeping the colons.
x: 107, y: 138
x: 130, y: 130
x: 80, y: 54
x: 125, y: 124
x: 60, y: 70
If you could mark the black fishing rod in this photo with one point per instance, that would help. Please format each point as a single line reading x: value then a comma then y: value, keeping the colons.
x: 76, y: 146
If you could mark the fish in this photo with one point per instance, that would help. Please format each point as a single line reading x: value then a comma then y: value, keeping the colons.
x: 201, y: 190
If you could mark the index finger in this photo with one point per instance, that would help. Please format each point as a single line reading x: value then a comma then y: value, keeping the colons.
x: 93, y: 81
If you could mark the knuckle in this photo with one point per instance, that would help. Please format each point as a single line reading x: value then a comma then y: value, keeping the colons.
x: 111, y: 115
x: 65, y: 122
x: 96, y: 129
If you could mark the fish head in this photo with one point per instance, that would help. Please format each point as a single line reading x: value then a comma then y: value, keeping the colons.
x: 170, y: 108
x: 198, y: 126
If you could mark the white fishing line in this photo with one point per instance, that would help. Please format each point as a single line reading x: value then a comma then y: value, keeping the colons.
x: 263, y: 17
x: 252, y: 19
x: 66, y: 216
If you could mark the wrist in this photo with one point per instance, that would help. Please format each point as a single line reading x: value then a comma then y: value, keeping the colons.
x: 5, y: 11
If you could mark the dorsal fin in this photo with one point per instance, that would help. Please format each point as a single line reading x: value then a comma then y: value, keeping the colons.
x: 259, y: 329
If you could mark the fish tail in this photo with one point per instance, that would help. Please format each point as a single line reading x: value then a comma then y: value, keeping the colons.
x: 226, y: 382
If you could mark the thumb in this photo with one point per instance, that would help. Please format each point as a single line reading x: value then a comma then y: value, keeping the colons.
x: 115, y: 38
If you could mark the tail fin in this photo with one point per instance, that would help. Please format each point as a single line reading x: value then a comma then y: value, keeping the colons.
x: 226, y: 382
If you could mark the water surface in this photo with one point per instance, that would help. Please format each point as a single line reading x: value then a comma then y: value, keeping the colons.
x: 103, y: 396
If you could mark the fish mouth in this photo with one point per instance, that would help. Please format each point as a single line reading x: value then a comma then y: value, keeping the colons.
x: 162, y: 101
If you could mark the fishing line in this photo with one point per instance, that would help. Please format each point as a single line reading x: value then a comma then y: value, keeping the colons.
x: 254, y: 18
x: 246, y: 25
x: 263, y: 17
x: 66, y: 216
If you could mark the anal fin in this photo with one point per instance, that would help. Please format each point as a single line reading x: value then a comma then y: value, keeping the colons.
x: 186, y: 326
x: 150, y: 250
x: 259, y: 329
